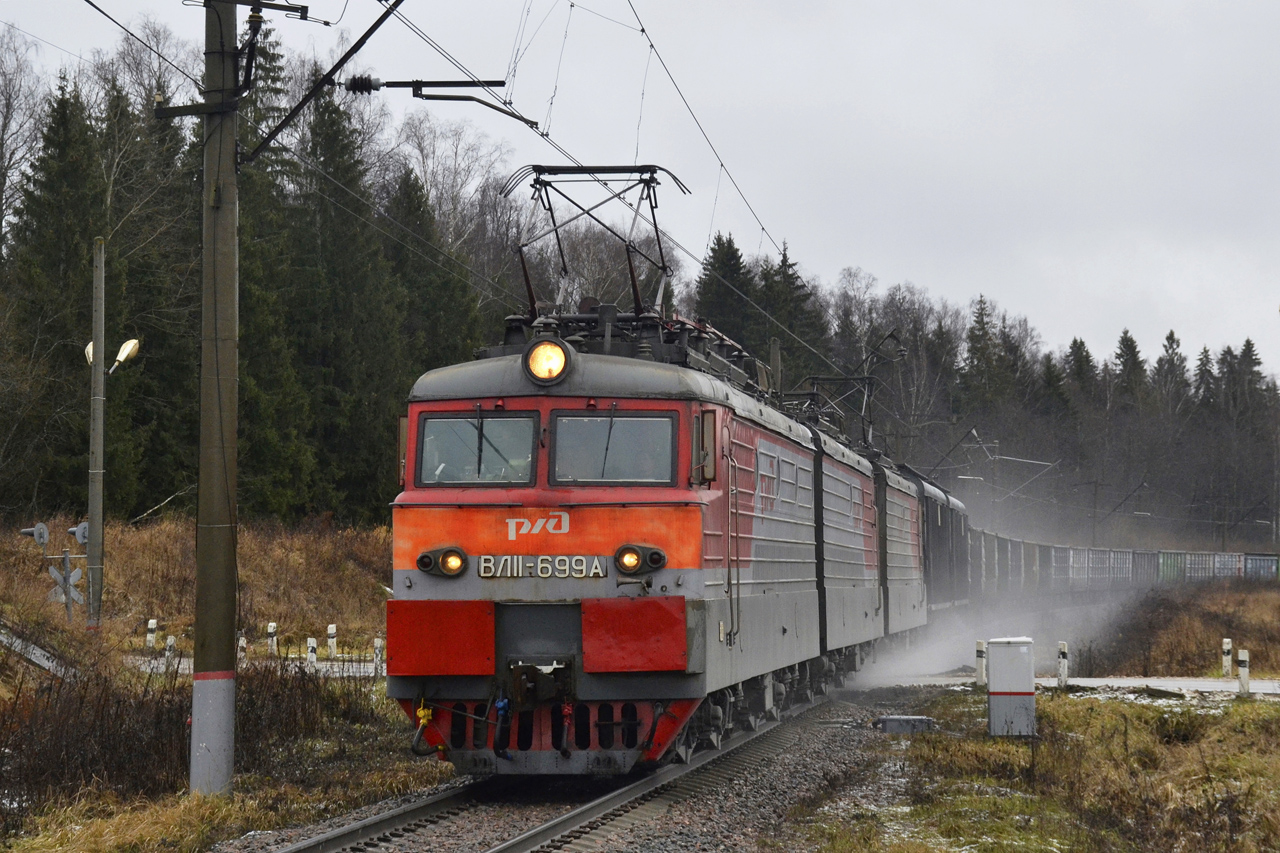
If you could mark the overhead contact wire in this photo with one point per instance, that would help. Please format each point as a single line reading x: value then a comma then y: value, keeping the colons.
x: 551, y: 102
x: 644, y: 32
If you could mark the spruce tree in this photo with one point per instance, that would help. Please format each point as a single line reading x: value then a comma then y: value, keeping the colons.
x: 1206, y: 381
x: 1169, y: 375
x: 720, y: 289
x: 346, y: 317
x: 48, y: 282
x: 982, y: 372
x: 278, y: 468
x: 441, y: 323
x: 1131, y: 369
x: 791, y: 305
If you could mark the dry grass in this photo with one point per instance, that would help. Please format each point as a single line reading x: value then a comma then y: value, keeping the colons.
x: 303, y: 578
x: 1107, y: 775
x: 1178, y: 631
x: 308, y: 747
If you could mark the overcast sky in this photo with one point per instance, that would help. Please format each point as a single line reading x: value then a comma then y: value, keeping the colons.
x: 1092, y: 165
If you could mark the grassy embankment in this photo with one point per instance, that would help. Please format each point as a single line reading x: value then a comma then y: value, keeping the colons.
x: 99, y: 763
x: 1109, y: 773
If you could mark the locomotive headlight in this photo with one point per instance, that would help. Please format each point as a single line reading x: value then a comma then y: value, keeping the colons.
x: 628, y: 559
x: 447, y: 562
x: 452, y: 563
x: 546, y: 361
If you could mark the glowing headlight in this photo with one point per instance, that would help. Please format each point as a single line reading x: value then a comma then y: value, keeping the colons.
x: 545, y: 361
x: 452, y: 563
x: 628, y: 559
x: 447, y: 562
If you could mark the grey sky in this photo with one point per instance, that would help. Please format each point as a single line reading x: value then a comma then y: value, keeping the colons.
x: 1092, y: 165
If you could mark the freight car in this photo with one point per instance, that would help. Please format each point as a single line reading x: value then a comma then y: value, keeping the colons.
x: 614, y: 545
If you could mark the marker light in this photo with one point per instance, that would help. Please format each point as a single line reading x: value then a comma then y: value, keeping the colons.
x: 545, y: 361
x: 628, y: 559
x: 452, y: 563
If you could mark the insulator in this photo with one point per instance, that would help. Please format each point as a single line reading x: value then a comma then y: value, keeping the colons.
x: 363, y: 84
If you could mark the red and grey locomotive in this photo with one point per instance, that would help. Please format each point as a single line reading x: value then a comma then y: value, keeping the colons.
x: 615, y: 544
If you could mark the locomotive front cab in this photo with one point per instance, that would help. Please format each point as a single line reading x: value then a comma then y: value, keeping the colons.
x: 547, y: 601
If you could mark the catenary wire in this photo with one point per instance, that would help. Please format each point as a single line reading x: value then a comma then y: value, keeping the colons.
x: 142, y: 42
x: 312, y: 166
x: 414, y: 28
x: 644, y: 32
x: 77, y: 57
x: 555, y: 87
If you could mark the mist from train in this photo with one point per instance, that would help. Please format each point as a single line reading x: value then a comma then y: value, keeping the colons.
x: 946, y: 648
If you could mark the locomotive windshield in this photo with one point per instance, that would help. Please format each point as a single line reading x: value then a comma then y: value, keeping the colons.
x: 464, y: 450
x: 614, y: 449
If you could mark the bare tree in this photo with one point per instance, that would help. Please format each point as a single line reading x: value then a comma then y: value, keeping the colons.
x: 21, y: 94
x: 457, y: 164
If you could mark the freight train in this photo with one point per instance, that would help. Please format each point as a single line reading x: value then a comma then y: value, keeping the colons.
x: 616, y: 542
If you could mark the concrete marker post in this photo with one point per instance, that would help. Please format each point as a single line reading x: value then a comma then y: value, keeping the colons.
x: 1226, y: 657
x: 1243, y: 668
x: 170, y: 651
x: 333, y: 641
x: 242, y: 649
x: 377, y: 657
x: 152, y: 625
x: 1063, y: 662
x: 981, y: 663
x: 273, y: 647
x: 311, y: 654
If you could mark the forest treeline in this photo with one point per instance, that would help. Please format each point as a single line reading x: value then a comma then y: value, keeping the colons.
x: 373, y: 249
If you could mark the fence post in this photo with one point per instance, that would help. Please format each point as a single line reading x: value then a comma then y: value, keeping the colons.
x: 152, y: 625
x: 1243, y: 666
x: 273, y: 648
x: 981, y: 663
x: 311, y: 654
x: 1226, y: 657
x: 333, y: 641
x: 377, y: 657
x: 1063, y: 662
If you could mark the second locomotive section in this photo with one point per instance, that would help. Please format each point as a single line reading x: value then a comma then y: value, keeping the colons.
x: 608, y: 560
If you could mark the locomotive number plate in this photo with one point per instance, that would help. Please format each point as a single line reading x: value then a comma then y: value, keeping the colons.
x: 504, y: 566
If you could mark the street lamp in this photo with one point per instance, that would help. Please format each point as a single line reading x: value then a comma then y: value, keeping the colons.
x: 127, y: 351
x: 97, y: 400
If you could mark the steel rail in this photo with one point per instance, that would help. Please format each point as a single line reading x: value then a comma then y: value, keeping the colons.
x: 600, y: 811
x: 398, y: 821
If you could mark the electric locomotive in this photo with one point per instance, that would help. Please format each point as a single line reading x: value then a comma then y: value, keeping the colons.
x: 612, y: 547
x: 616, y: 541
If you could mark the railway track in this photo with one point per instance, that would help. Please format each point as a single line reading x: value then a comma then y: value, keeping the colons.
x: 578, y: 826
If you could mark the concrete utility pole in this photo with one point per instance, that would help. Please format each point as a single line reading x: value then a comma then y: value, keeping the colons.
x: 97, y: 402
x: 213, y: 696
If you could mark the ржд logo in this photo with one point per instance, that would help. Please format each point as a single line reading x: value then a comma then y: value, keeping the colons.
x: 557, y: 523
